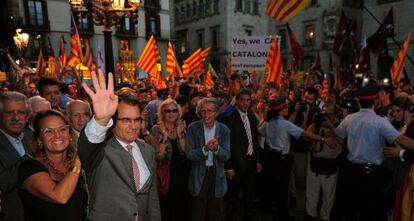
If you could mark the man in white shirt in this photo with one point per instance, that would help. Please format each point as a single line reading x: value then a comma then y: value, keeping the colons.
x: 121, y: 168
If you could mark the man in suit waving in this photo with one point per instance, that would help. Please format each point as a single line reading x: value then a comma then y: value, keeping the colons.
x: 208, y: 147
x: 121, y: 168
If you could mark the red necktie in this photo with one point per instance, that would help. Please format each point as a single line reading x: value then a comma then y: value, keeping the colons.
x: 135, y: 168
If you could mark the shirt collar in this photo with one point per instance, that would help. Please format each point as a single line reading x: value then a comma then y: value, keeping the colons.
x: 242, y: 113
x: 368, y: 110
x: 11, y: 138
x: 125, y: 144
x: 212, y: 128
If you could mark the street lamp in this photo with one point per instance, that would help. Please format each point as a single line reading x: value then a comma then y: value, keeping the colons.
x: 21, y: 40
x: 108, y: 13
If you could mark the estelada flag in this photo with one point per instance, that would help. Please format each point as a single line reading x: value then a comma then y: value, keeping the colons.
x: 51, y: 61
x: 41, y: 65
x: 193, y: 63
x: 274, y: 64
x: 62, y: 54
x: 76, y: 55
x: 398, y: 65
x: 148, y: 59
x: 284, y: 10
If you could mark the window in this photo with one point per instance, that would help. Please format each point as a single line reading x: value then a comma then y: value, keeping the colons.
x: 36, y: 13
x: 239, y: 5
x: 309, y: 34
x: 188, y: 11
x: 215, y: 37
x: 283, y: 38
x: 194, y: 9
x: 85, y: 22
x: 216, y: 6
x: 182, y: 13
x: 201, y: 8
x: 314, y: 3
x: 208, y: 7
x: 200, y: 38
x: 386, y: 1
x: 256, y: 7
x: 127, y: 27
x: 358, y: 4
x: 153, y: 24
x: 177, y: 15
x: 247, y: 6
x: 182, y: 41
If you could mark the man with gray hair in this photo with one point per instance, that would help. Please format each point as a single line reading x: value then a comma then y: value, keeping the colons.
x: 14, y: 144
x: 208, y: 148
x: 37, y: 104
x: 79, y: 113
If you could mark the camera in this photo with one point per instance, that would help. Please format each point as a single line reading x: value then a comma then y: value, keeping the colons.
x: 303, y: 106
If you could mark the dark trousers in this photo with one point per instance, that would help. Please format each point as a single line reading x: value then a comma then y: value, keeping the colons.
x: 206, y: 206
x: 279, y: 170
x: 361, y: 193
x: 241, y: 194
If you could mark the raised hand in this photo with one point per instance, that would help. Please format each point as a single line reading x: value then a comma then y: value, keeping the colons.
x: 104, y: 100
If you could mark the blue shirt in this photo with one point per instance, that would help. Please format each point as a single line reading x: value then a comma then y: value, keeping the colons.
x: 209, y: 134
x: 152, y: 108
x: 16, y: 142
x: 277, y: 133
x: 366, y: 133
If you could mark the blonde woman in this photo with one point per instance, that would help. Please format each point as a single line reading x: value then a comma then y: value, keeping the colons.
x: 172, y: 169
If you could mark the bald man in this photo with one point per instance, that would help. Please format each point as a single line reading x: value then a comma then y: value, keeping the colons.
x: 79, y: 113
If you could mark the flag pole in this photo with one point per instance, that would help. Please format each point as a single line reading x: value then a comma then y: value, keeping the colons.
x: 393, y: 39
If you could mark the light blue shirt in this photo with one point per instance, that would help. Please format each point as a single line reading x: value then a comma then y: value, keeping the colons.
x: 277, y: 133
x: 16, y: 142
x: 209, y: 134
x: 366, y: 133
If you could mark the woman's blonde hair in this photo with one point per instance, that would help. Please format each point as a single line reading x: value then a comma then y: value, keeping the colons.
x: 168, y: 101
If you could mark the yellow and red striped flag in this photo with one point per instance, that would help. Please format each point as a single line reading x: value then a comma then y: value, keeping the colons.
x: 204, y: 54
x: 51, y: 61
x: 172, y: 65
x: 76, y: 55
x: 41, y: 65
x: 274, y: 63
x: 193, y: 63
x: 284, y: 10
x: 88, y: 60
x: 148, y: 59
x: 398, y: 65
x: 229, y: 70
x: 209, y: 80
x: 62, y: 54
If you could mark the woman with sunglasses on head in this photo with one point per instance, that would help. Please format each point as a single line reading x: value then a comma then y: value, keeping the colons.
x: 172, y: 171
x: 51, y: 186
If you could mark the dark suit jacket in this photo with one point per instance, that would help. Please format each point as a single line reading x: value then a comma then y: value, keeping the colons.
x: 10, y: 160
x: 195, y: 143
x: 113, y: 195
x: 239, y: 141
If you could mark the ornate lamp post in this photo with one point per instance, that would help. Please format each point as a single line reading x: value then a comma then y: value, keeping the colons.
x: 108, y: 13
x: 21, y: 40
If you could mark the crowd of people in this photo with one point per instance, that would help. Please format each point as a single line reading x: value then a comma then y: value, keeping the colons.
x: 138, y: 152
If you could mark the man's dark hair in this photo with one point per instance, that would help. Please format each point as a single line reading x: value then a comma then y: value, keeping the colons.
x: 127, y: 99
x: 366, y: 103
x: 43, y: 82
x: 312, y: 90
x: 182, y: 100
x: 243, y: 91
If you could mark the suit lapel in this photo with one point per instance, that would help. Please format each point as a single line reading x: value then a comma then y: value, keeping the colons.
x: 146, y: 155
x: 122, y: 162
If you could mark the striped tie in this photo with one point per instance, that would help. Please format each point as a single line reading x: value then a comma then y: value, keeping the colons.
x: 249, y: 134
x: 135, y: 168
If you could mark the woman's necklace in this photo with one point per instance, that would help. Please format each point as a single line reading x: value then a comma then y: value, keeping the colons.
x: 52, y: 166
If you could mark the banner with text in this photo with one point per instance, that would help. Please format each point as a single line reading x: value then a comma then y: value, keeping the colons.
x: 250, y: 53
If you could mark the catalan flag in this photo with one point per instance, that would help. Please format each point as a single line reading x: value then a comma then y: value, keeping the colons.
x: 204, y: 54
x: 62, y: 54
x: 229, y: 69
x: 51, y: 61
x: 148, y: 59
x: 88, y: 60
x: 41, y: 65
x: 274, y: 64
x: 76, y: 55
x: 193, y: 63
x: 398, y: 65
x: 172, y: 65
x: 297, y: 51
x: 284, y: 10
x: 209, y: 80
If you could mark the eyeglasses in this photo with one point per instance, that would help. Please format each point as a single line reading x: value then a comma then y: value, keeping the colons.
x: 49, y: 132
x: 168, y: 111
x: 126, y: 120
x: 207, y: 111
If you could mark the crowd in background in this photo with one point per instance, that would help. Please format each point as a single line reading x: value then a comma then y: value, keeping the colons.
x: 137, y: 152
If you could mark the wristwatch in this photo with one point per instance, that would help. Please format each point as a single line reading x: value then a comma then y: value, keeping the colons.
x: 322, y: 140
